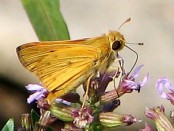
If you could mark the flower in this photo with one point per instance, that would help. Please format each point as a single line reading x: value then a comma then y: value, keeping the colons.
x: 158, y: 116
x: 165, y: 83
x: 110, y: 119
x: 82, y: 117
x: 128, y: 82
x: 59, y: 100
x: 39, y: 92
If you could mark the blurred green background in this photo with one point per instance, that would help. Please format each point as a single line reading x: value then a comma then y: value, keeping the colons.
x: 152, y: 23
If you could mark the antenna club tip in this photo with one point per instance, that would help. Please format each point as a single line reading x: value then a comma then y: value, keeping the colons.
x: 129, y: 19
x: 135, y: 43
x: 140, y: 43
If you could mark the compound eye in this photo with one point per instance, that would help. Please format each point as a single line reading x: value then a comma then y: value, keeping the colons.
x: 116, y: 45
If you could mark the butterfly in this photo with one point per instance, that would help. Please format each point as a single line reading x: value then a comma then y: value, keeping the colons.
x: 62, y: 66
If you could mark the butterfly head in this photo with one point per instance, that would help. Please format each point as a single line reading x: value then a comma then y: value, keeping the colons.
x: 117, y: 40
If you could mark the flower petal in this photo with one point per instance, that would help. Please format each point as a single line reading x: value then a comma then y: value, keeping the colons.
x: 34, y: 87
x: 58, y: 100
x: 39, y: 92
x: 36, y: 96
x: 161, y: 84
x: 33, y: 97
x: 144, y: 80
x: 136, y: 71
x: 170, y: 96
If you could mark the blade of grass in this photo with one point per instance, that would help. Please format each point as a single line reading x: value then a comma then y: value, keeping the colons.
x: 46, y: 19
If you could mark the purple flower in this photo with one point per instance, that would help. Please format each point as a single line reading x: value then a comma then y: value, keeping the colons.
x: 128, y: 82
x: 158, y: 116
x: 59, y: 100
x: 163, y: 83
x: 82, y: 117
x: 39, y: 92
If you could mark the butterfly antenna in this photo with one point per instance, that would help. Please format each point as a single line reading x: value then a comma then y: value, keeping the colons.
x: 135, y: 54
x: 126, y: 21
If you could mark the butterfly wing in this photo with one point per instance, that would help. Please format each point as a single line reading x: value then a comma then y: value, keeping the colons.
x: 31, y: 54
x: 66, y: 69
x: 63, y: 69
x: 64, y: 65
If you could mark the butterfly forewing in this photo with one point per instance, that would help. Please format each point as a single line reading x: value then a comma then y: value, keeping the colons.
x: 31, y: 54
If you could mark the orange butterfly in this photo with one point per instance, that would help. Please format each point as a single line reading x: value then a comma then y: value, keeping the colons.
x: 62, y: 66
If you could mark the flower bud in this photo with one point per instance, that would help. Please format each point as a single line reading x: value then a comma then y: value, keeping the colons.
x: 158, y: 116
x: 26, y: 122
x: 63, y: 113
x: 111, y: 119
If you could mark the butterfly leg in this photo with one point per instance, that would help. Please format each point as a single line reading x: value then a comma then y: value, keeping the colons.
x: 86, y: 93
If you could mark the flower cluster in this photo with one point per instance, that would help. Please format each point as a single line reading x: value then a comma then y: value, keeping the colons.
x: 97, y: 113
x: 166, y: 91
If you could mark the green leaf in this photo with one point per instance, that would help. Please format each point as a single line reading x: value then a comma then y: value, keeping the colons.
x: 46, y: 19
x: 9, y: 126
x: 34, y: 117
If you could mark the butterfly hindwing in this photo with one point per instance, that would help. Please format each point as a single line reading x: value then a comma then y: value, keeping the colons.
x: 62, y: 67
